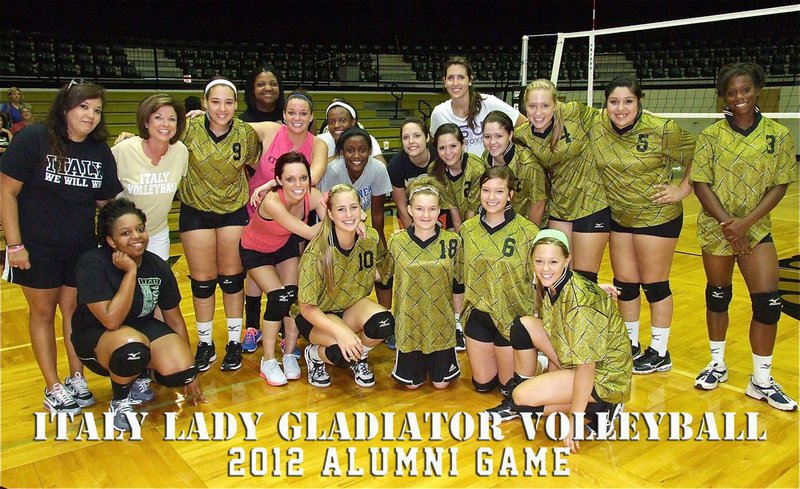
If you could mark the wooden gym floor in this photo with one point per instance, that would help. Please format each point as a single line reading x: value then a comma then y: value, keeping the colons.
x: 657, y: 462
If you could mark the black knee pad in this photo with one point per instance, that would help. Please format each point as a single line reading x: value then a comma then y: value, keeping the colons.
x: 231, y: 284
x: 718, y: 298
x: 592, y: 276
x: 656, y: 291
x: 129, y: 359
x: 627, y: 291
x: 487, y: 387
x: 380, y: 326
x: 278, y: 303
x: 767, y: 307
x: 203, y: 289
x: 292, y: 291
x: 335, y: 356
x: 177, y: 379
x: 519, y: 336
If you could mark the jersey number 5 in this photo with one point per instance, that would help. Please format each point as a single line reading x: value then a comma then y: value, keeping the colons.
x: 641, y: 145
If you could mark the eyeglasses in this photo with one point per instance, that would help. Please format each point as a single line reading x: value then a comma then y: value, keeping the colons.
x: 74, y: 81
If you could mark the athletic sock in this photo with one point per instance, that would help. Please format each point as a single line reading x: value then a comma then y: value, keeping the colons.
x: 252, y: 311
x: 365, y: 351
x: 313, y: 352
x: 717, y: 351
x: 234, y: 329
x: 204, y: 331
x: 458, y: 322
x: 633, y: 331
x: 659, y: 339
x: 762, y: 367
x: 120, y: 391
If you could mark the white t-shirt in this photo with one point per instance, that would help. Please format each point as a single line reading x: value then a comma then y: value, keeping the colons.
x: 326, y: 136
x: 373, y: 181
x: 151, y: 188
x: 473, y: 138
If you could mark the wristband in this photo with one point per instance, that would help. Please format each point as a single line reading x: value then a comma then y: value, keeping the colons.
x: 15, y: 248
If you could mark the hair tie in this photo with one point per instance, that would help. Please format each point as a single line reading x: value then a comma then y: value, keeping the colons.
x: 302, y: 96
x: 220, y: 81
x: 552, y: 233
x: 343, y: 105
x: 420, y: 189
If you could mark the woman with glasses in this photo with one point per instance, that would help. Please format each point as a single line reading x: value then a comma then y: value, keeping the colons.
x: 52, y: 178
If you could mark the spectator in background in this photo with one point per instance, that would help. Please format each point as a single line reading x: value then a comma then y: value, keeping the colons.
x: 12, y: 107
x: 27, y: 119
x: 263, y: 94
x: 5, y: 135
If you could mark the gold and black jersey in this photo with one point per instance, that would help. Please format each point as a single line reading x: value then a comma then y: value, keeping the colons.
x: 634, y: 160
x: 531, y: 184
x: 575, y: 189
x: 216, y: 180
x: 739, y: 167
x: 463, y: 191
x: 424, y: 274
x: 497, y: 278
x: 353, y: 273
x: 584, y: 326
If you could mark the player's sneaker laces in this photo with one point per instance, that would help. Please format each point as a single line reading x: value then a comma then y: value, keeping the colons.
x: 233, y: 356
x: 79, y: 389
x: 119, y: 408
x: 252, y: 337
x: 59, y: 400
x: 505, y: 410
x: 711, y: 376
x: 141, y: 391
x: 271, y: 372
x: 772, y: 393
x: 651, y: 361
x: 291, y: 367
x: 204, y: 356
x: 362, y: 373
x: 317, y: 374
x: 461, y: 342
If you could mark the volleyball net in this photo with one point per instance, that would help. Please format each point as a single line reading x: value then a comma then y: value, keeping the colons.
x: 676, y: 62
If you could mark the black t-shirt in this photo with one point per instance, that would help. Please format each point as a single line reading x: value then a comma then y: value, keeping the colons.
x: 402, y: 170
x: 98, y: 279
x: 255, y: 115
x: 57, y: 200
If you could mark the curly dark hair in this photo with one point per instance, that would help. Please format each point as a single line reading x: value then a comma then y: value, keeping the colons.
x: 109, y: 214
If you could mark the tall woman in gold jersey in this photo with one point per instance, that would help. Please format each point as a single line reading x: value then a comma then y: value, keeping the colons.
x: 635, y: 152
x: 742, y: 167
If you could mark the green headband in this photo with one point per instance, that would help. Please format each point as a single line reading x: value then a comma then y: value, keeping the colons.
x: 552, y: 233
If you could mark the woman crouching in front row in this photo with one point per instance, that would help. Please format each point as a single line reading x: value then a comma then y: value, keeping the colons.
x: 114, y: 332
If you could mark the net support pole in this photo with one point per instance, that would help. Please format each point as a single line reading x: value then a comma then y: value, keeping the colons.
x: 557, y: 58
x: 590, y: 73
x: 523, y: 62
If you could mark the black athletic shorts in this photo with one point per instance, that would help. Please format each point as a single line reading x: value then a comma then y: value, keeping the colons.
x: 670, y: 229
x: 190, y: 219
x: 47, y: 270
x: 597, y: 222
x: 305, y: 327
x: 414, y: 367
x: 480, y: 327
x: 254, y: 259
x: 85, y: 341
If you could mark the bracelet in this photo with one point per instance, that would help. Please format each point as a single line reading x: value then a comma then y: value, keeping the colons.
x: 15, y: 248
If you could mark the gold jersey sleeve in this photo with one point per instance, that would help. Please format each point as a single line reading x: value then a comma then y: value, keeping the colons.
x: 575, y: 187
x: 216, y: 179
x: 584, y: 326
x: 463, y: 191
x: 740, y: 168
x: 353, y: 274
x: 633, y: 162
x: 497, y: 278
x: 424, y: 272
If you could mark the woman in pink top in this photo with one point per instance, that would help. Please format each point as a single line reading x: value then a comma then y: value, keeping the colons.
x: 276, y: 140
x: 270, y: 251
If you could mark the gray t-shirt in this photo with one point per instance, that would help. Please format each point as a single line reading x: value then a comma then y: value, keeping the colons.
x: 373, y: 181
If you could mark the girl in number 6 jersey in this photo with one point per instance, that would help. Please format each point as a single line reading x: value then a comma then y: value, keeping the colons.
x: 335, y: 313
x: 425, y: 265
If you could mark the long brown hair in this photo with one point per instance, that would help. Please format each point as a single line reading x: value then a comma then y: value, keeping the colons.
x: 558, y: 119
x: 474, y: 106
x: 69, y: 97
x: 437, y: 167
x: 324, y: 240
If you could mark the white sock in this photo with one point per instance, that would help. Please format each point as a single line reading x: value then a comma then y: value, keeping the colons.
x: 313, y: 352
x: 717, y: 352
x: 762, y: 367
x: 659, y: 339
x: 365, y: 351
x: 234, y: 329
x: 204, y: 331
x: 633, y: 331
x: 458, y: 322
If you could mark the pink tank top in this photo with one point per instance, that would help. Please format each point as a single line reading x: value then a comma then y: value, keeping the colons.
x: 266, y: 235
x: 265, y: 171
